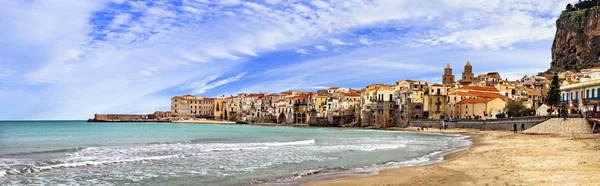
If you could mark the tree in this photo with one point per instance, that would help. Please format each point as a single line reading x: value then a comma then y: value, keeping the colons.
x: 514, y: 108
x: 553, y: 96
x: 569, y: 7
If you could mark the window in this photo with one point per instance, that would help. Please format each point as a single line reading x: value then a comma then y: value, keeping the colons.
x: 576, y: 95
x: 593, y: 93
x: 587, y: 93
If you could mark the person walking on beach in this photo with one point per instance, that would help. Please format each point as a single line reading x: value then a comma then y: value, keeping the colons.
x: 522, y: 127
x: 515, y: 127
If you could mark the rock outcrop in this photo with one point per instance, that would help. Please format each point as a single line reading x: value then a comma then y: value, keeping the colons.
x: 577, y: 42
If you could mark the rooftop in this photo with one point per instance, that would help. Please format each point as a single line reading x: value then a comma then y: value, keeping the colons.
x: 476, y: 100
x: 492, y: 89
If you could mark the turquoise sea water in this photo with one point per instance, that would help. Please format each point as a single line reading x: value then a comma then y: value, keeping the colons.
x: 81, y: 153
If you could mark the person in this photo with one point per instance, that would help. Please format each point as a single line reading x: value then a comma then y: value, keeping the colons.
x: 443, y: 125
x: 522, y: 127
x: 515, y: 127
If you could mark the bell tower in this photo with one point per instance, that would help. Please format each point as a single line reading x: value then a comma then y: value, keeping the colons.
x: 468, y: 72
x: 447, y: 78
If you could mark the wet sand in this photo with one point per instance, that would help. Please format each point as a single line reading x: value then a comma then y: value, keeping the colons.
x: 501, y: 158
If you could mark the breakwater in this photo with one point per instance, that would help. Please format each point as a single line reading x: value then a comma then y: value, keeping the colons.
x: 127, y: 118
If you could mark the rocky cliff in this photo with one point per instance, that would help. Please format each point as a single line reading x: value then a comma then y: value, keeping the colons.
x: 577, y: 42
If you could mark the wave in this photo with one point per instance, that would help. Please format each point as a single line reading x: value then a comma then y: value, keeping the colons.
x: 234, y: 149
x: 304, y: 142
x: 44, y: 166
x: 45, y: 152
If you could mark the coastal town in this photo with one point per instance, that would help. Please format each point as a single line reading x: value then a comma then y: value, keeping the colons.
x: 467, y: 97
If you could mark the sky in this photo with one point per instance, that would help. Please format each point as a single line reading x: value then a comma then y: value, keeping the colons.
x: 70, y: 59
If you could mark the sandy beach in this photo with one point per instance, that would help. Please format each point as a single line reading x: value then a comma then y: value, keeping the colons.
x: 502, y: 158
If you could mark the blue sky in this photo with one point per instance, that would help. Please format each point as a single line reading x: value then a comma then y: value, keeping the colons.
x: 69, y: 59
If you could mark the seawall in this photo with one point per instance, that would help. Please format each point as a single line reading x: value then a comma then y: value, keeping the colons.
x: 490, y: 124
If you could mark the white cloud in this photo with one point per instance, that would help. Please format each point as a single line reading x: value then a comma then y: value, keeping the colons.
x: 200, y: 87
x: 335, y: 41
x: 321, y: 47
x: 364, y: 40
x: 302, y: 51
x: 120, y: 20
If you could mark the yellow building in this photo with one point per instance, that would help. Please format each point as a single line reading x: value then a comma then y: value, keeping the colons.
x: 455, y: 96
x: 219, y: 107
x: 480, y: 107
x: 435, y: 101
x: 191, y: 106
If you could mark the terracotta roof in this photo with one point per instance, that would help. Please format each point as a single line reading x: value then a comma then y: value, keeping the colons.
x: 461, y: 93
x: 334, y: 88
x: 488, y: 94
x: 188, y: 95
x: 476, y: 100
x: 437, y: 84
x: 533, y: 91
x: 351, y: 94
x: 479, y: 88
x: 209, y: 99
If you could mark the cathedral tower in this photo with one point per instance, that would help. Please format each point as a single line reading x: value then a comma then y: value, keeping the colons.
x: 468, y: 73
x: 447, y: 78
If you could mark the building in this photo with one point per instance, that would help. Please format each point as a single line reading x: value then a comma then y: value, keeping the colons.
x: 232, y: 108
x: 435, y: 101
x: 447, y: 78
x: 456, y: 95
x: 480, y: 107
x: 191, y: 106
x: 378, y: 106
x: 584, y: 92
x: 467, y: 76
x: 489, y: 79
x: 219, y: 108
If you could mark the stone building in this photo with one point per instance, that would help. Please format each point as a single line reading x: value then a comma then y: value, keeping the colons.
x: 232, y: 108
x: 379, y: 106
x: 191, y: 106
x: 411, y: 96
x: 467, y: 76
x: 448, y: 77
x: 435, y: 101
x: 219, y: 108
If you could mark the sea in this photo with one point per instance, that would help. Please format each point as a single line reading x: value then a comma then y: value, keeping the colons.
x: 82, y: 153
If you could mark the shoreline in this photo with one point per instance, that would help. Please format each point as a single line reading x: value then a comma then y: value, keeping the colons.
x: 325, y: 178
x: 497, y: 158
